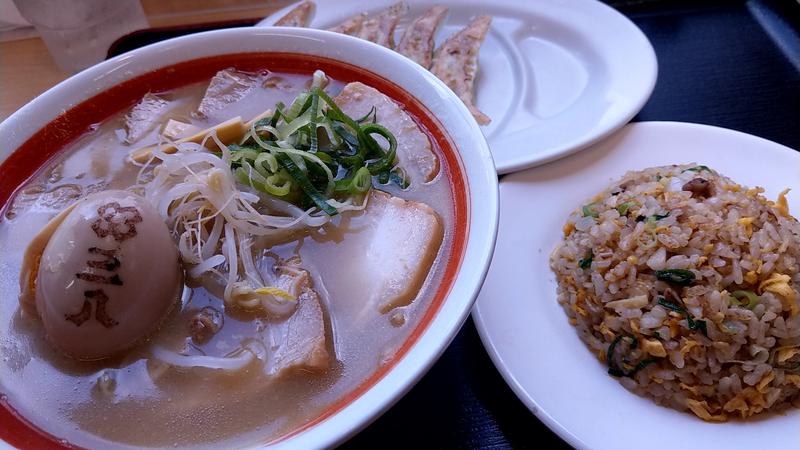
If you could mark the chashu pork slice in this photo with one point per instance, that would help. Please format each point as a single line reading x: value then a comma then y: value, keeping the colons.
x: 351, y: 26
x: 405, y: 238
x: 299, y: 16
x: 227, y: 86
x: 414, y: 151
x: 456, y: 63
x: 299, y: 342
x: 144, y: 116
x: 417, y: 41
x: 380, y: 28
x: 399, y: 249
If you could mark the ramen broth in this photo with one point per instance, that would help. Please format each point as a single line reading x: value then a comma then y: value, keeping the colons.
x: 132, y: 399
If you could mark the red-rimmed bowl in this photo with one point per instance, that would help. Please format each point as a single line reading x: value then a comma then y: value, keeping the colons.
x: 42, y: 128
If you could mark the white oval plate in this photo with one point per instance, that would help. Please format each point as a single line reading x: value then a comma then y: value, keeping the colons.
x: 526, y: 332
x: 554, y: 76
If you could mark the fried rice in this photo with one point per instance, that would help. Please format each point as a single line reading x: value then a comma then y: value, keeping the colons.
x: 684, y: 284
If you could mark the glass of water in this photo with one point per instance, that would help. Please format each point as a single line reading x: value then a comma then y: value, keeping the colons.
x: 78, y: 32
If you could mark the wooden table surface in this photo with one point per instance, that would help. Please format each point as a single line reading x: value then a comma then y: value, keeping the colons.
x: 27, y: 70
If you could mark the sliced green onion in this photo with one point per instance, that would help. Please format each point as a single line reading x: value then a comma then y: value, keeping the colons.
x: 372, y: 112
x: 314, y: 158
x: 273, y: 122
x: 326, y: 124
x: 305, y: 184
x: 752, y: 299
x: 297, y: 107
x: 347, y: 137
x: 612, y: 365
x: 697, y: 324
x: 671, y: 306
x: 245, y: 154
x: 697, y: 169
x: 398, y: 176
x: 657, y: 335
x: 319, y: 79
x: 613, y: 368
x: 588, y: 210
x: 353, y: 161
x: 286, y: 154
x: 694, y: 324
x: 335, y: 110
x: 287, y: 129
x: 343, y: 185
x: 278, y: 184
x: 358, y: 184
x: 640, y: 365
x: 266, y: 161
x: 362, y: 181
x: 680, y: 277
x: 298, y: 160
x: 586, y: 263
x: 265, y: 122
x: 386, y: 161
x: 623, y: 208
x: 326, y: 158
x: 312, y: 124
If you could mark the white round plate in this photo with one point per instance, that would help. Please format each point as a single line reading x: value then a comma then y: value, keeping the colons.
x: 554, y: 76
x: 526, y: 332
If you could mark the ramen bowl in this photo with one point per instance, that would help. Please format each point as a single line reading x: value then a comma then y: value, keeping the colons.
x: 71, y: 113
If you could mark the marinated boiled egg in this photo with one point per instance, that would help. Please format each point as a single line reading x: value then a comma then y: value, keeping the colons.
x: 103, y: 274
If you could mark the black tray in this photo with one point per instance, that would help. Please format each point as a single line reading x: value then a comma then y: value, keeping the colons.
x: 734, y: 64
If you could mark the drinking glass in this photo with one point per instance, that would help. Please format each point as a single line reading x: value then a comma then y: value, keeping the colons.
x: 78, y: 32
